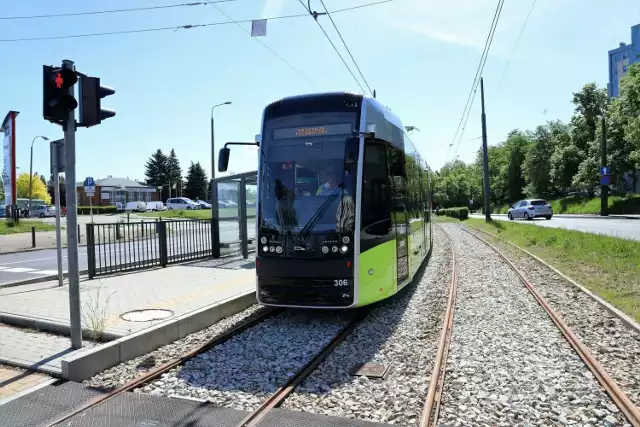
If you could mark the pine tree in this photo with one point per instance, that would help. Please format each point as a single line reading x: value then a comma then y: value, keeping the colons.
x: 174, y: 172
x: 156, y: 172
x: 196, y: 184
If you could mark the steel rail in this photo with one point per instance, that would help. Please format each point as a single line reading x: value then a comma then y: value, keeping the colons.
x: 621, y: 400
x: 159, y: 370
x: 431, y: 407
x: 283, y: 392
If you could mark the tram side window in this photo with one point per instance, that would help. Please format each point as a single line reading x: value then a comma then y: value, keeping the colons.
x: 395, y: 159
x: 375, y: 191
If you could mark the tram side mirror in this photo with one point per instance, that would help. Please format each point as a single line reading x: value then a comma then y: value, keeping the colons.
x: 223, y: 159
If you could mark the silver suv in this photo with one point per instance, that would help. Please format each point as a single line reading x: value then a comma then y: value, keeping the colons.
x: 529, y: 209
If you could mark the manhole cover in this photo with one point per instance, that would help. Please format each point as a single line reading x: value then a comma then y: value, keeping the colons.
x: 147, y: 315
x: 371, y: 370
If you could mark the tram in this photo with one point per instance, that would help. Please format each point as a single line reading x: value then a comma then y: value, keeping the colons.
x: 344, y: 209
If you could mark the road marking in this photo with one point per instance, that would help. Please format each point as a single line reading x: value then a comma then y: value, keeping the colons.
x: 45, y: 272
x: 19, y: 270
x: 3, y: 268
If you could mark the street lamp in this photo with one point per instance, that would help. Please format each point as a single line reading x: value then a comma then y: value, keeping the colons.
x: 31, y: 168
x: 213, y: 150
x: 215, y: 231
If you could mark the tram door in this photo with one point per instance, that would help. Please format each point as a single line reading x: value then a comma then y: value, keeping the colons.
x: 395, y: 161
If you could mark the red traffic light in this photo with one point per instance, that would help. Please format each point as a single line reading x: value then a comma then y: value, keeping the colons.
x: 62, y: 78
x: 59, y: 80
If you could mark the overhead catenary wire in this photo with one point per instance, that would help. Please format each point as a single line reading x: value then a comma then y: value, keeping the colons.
x: 315, y: 18
x: 474, y: 87
x: 300, y: 73
x: 100, y: 12
x: 179, y: 27
x: 345, y: 46
x: 517, y: 42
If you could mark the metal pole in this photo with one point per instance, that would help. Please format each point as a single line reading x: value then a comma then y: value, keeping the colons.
x: 31, y: 174
x: 72, y: 222
x: 56, y: 181
x: 215, y: 225
x: 242, y: 204
x: 485, y: 157
x: 91, y: 207
x: 604, y: 196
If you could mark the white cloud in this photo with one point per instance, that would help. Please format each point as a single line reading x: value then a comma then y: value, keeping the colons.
x: 272, y: 8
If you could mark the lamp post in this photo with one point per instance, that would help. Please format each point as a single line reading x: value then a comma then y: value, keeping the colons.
x: 215, y: 250
x: 31, y: 169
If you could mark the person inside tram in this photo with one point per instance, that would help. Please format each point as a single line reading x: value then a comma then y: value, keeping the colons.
x: 330, y: 183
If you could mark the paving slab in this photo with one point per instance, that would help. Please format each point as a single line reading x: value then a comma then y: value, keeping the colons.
x: 180, y: 289
x: 15, y: 382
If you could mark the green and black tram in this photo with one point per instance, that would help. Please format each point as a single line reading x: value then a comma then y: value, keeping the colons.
x: 343, y: 213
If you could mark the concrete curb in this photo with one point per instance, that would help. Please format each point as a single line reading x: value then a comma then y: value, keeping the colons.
x: 631, y: 323
x: 50, y: 326
x: 39, y: 279
x: 83, y: 365
x: 21, y: 251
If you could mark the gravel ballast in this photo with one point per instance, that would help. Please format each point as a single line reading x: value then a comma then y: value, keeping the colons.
x: 615, y: 345
x: 508, y: 363
x: 129, y: 370
x: 401, y: 333
x: 241, y: 372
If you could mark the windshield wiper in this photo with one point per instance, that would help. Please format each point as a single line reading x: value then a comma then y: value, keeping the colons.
x: 306, y: 230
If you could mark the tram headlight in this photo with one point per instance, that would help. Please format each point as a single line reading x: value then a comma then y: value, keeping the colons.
x: 265, y: 249
x: 344, y: 249
x: 279, y: 249
x: 325, y: 249
x: 346, y: 240
x: 334, y: 249
x: 272, y: 249
x: 263, y: 240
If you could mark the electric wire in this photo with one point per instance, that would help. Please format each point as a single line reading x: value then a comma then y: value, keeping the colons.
x: 345, y: 46
x: 474, y: 87
x: 333, y: 44
x: 517, y: 41
x: 100, y: 12
x: 179, y: 27
x: 300, y: 73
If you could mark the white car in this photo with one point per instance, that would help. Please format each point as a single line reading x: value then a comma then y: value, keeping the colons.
x: 155, y: 206
x: 136, y: 207
x: 181, y: 203
x: 529, y: 209
x: 42, y: 211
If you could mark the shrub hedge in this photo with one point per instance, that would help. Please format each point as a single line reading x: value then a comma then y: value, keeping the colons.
x: 97, y: 210
x: 460, y: 213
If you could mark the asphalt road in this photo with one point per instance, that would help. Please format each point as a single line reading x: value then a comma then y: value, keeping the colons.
x: 615, y: 227
x: 29, y: 265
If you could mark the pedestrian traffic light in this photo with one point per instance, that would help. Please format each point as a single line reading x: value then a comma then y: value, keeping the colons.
x: 57, y: 101
x: 91, y: 93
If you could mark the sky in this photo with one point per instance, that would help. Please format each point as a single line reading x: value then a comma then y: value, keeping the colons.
x: 419, y: 55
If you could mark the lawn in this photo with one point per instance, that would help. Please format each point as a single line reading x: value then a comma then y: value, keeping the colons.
x: 586, y: 205
x: 199, y: 213
x: 24, y: 227
x: 608, y: 266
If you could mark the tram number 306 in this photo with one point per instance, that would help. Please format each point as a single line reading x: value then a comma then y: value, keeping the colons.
x: 341, y: 282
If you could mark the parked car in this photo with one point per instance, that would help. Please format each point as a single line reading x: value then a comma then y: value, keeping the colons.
x: 529, y: 209
x: 43, y: 211
x: 156, y: 206
x: 203, y: 204
x: 181, y: 203
x: 136, y: 207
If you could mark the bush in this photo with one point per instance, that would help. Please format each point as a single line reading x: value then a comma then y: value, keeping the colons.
x: 97, y: 210
x: 460, y: 213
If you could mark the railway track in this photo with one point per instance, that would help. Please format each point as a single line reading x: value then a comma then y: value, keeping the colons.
x: 621, y: 400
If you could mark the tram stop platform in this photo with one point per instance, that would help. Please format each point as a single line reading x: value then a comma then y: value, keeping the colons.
x: 35, y: 326
x: 137, y: 409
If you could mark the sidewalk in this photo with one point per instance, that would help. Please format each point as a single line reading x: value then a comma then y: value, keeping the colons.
x: 45, y: 306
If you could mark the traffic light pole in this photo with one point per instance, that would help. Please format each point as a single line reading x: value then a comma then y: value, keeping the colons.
x: 72, y: 221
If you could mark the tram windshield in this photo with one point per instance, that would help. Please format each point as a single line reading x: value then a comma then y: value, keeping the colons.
x: 308, y: 185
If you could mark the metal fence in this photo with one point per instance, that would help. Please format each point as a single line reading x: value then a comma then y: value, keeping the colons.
x: 120, y: 247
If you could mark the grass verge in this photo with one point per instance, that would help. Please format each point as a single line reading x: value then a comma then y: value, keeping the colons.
x: 24, y: 227
x: 607, y: 266
x: 443, y: 218
x: 579, y: 205
x: 198, y: 214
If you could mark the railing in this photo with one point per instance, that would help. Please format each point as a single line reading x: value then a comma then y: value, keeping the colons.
x: 129, y: 246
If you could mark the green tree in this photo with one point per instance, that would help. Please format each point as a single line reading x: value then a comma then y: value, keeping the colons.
x: 196, y: 182
x: 565, y: 161
x: 174, y: 171
x: 537, y: 165
x: 630, y: 109
x: 589, y: 103
x: 156, y: 172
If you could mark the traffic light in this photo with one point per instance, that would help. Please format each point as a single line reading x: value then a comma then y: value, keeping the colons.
x: 91, y: 93
x: 57, y: 102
